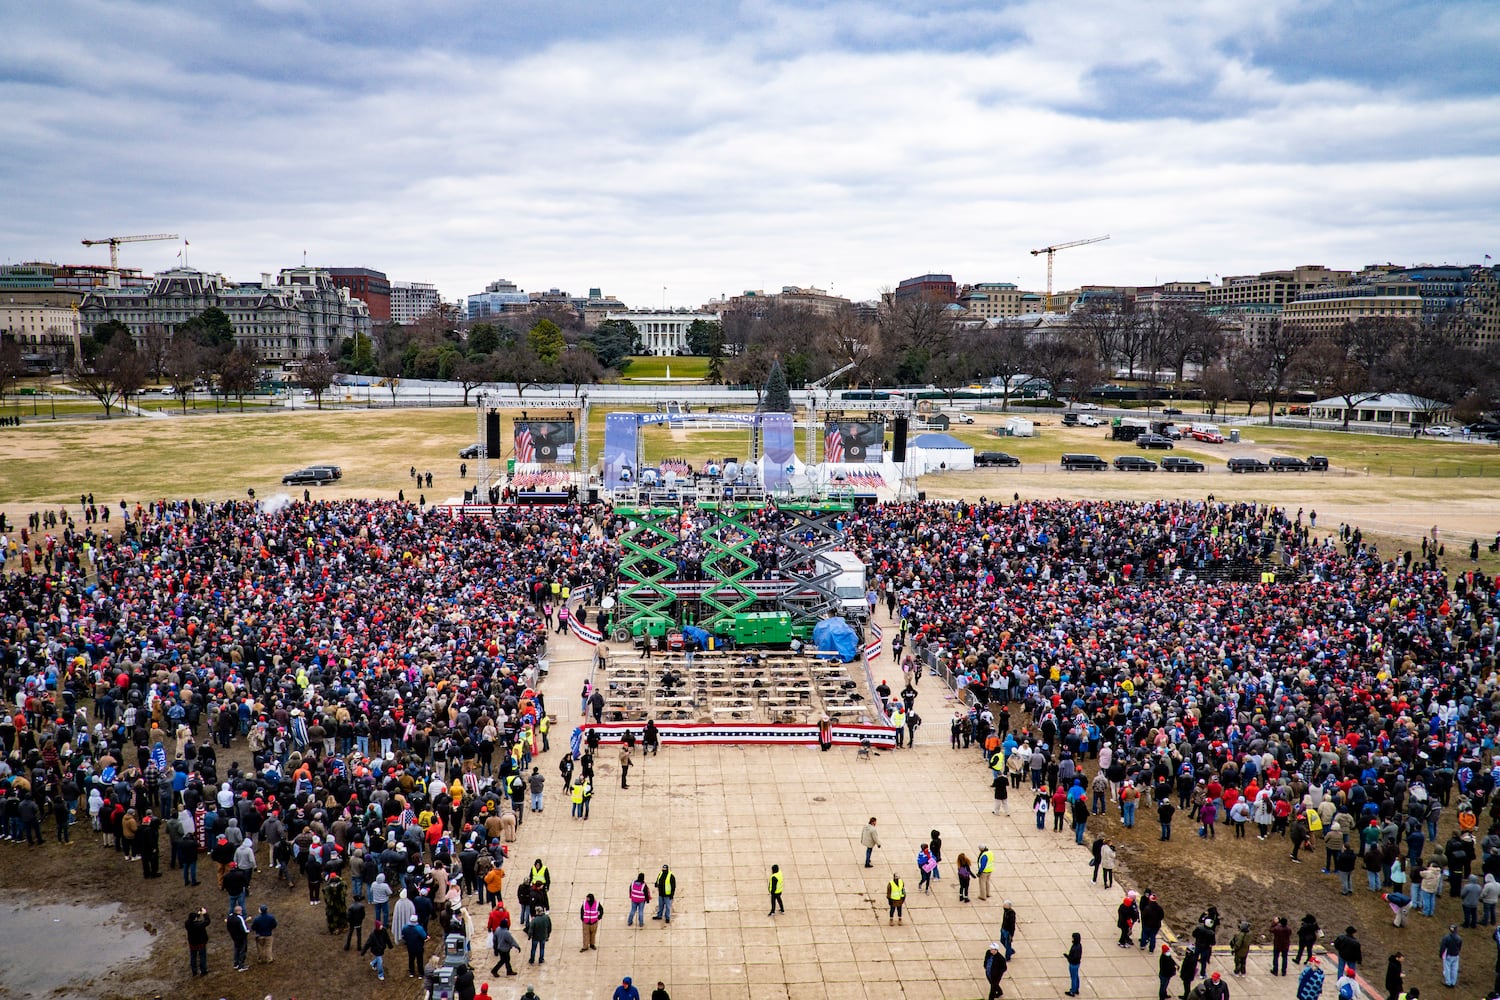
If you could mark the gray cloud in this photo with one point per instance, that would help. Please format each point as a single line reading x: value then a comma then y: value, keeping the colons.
x: 733, y: 146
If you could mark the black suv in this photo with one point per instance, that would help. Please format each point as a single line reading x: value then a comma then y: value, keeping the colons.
x: 472, y: 451
x: 992, y: 458
x: 1174, y: 463
x: 1317, y: 463
x: 1248, y: 465
x: 1092, y: 463
x: 1134, y: 463
x: 312, y: 476
x: 1154, y: 441
x: 1286, y: 463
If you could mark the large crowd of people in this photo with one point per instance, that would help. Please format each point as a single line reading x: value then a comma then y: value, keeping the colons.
x: 378, y: 664
x: 1228, y: 662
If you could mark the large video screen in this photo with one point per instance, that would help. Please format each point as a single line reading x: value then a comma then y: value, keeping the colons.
x: 544, y: 442
x: 853, y: 441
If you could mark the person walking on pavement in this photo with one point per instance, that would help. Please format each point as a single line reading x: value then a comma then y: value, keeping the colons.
x: 1449, y: 949
x: 539, y: 930
x: 590, y: 913
x: 1281, y: 946
x: 1351, y: 954
x: 239, y: 936
x: 626, y: 991
x: 895, y: 895
x: 666, y: 888
x: 503, y: 942
x: 776, y: 884
x: 870, y: 839
x: 1074, y: 958
x: 197, y: 939
x: 537, y: 782
x: 1008, y: 930
x: 624, y: 766
x: 264, y: 925
x: 995, y: 965
x: 660, y: 993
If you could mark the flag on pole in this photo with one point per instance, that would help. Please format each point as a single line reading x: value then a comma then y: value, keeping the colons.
x: 525, y: 446
x: 833, y: 444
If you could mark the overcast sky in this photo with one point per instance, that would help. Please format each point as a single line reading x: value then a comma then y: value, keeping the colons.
x: 713, y: 147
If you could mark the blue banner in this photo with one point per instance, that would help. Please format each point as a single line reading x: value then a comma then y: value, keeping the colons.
x: 622, y: 432
x: 778, y: 434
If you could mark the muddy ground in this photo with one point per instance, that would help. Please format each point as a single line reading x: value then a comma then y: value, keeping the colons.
x: 1257, y: 881
x: 309, y: 963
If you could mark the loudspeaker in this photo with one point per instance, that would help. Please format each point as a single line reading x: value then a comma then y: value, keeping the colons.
x: 492, y: 434
x: 921, y: 496
x: 593, y: 494
x: 898, y: 450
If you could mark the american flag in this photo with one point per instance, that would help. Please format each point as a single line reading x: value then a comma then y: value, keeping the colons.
x: 833, y: 444
x: 335, y: 766
x: 525, y: 447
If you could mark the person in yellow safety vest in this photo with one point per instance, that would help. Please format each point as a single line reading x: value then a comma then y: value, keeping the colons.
x: 776, y: 886
x: 540, y: 874
x: 984, y: 869
x: 895, y: 894
x: 542, y: 725
x: 997, y: 763
x: 577, y: 796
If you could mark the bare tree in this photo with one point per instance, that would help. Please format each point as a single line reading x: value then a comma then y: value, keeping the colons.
x: 1059, y: 358
x: 185, y: 363
x: 238, y: 374
x: 1217, y: 384
x: 474, y: 371
x: 1245, y: 369
x: 11, y: 367
x: 153, y: 345
x: 578, y: 367
x: 317, y: 375
x: 1279, y: 351
x: 98, y: 379
x: 1329, y: 368
x: 1004, y: 354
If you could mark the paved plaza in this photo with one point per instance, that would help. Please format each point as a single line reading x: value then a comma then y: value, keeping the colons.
x: 721, y: 816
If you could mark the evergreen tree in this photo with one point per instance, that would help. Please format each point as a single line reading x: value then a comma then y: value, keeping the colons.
x: 777, y: 397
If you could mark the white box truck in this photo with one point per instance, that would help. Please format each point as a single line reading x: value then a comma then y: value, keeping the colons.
x: 849, y: 581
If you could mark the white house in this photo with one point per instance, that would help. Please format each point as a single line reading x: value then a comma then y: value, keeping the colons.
x: 664, y: 331
x: 1392, y: 408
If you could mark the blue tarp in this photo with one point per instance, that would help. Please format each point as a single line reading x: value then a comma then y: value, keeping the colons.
x: 835, y: 634
x: 695, y: 635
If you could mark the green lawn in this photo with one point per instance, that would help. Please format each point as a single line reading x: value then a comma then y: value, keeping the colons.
x: 646, y: 367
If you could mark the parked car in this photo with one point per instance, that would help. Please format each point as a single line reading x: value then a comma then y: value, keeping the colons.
x: 1134, y: 463
x: 1317, y: 463
x: 472, y: 451
x: 1171, y: 411
x: 307, y: 477
x: 1438, y: 431
x: 1286, y: 463
x: 1248, y: 465
x: 1092, y: 463
x: 333, y: 471
x: 1173, y: 463
x: 1154, y: 441
x: 1086, y: 406
x: 1206, y: 435
x: 995, y: 458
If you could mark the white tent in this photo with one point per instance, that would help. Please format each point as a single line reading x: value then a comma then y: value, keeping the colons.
x: 938, y: 452
x: 1019, y: 427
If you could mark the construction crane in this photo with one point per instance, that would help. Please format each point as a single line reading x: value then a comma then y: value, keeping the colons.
x: 115, y: 241
x: 812, y: 405
x: 1052, y: 251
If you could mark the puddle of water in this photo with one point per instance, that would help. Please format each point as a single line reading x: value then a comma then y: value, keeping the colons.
x: 64, y: 945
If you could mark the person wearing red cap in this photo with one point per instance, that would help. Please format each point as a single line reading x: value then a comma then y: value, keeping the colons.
x: 1166, y: 968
